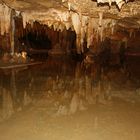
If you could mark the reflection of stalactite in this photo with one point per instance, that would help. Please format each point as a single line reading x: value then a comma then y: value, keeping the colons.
x: 78, y: 70
x: 97, y: 91
x: 8, y: 109
x: 74, y: 104
x: 100, y: 95
x: 108, y: 92
x: 13, y: 84
x: 27, y: 99
x: 88, y: 91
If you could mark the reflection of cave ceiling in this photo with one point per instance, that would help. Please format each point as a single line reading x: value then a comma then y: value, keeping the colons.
x: 80, y: 15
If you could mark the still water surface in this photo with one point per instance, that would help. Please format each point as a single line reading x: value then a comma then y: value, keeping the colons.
x: 57, y: 78
x: 66, y: 100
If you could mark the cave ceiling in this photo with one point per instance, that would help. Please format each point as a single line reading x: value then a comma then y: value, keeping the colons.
x: 86, y: 17
x: 127, y: 13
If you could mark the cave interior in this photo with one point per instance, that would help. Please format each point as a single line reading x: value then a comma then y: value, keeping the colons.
x: 69, y: 69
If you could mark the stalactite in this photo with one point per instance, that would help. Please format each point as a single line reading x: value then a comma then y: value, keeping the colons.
x: 80, y: 24
x: 68, y: 25
x: 76, y: 22
x: 49, y: 23
x: 100, y: 18
x: 55, y: 26
x: 100, y: 27
x: 105, y: 24
x: 110, y: 2
x: 69, y: 6
x: 61, y: 27
x: 60, y: 20
x: 5, y: 13
x: 120, y: 3
x: 92, y: 24
x: 77, y: 27
x: 25, y: 19
x: 113, y: 23
x: 12, y: 32
x: 82, y: 35
x: 82, y: 39
x: 125, y: 40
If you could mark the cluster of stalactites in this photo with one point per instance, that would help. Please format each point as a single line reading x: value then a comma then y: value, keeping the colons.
x: 118, y: 2
x: 58, y: 20
x: 5, y: 19
x: 88, y: 29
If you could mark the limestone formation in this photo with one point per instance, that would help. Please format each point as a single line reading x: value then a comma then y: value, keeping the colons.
x: 86, y: 18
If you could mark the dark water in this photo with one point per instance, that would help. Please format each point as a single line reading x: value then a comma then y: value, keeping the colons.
x: 56, y: 77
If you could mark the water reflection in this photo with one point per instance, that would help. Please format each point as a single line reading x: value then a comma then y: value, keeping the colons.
x: 63, y: 85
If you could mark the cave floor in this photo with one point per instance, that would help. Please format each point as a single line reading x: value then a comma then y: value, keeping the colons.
x: 56, y: 101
